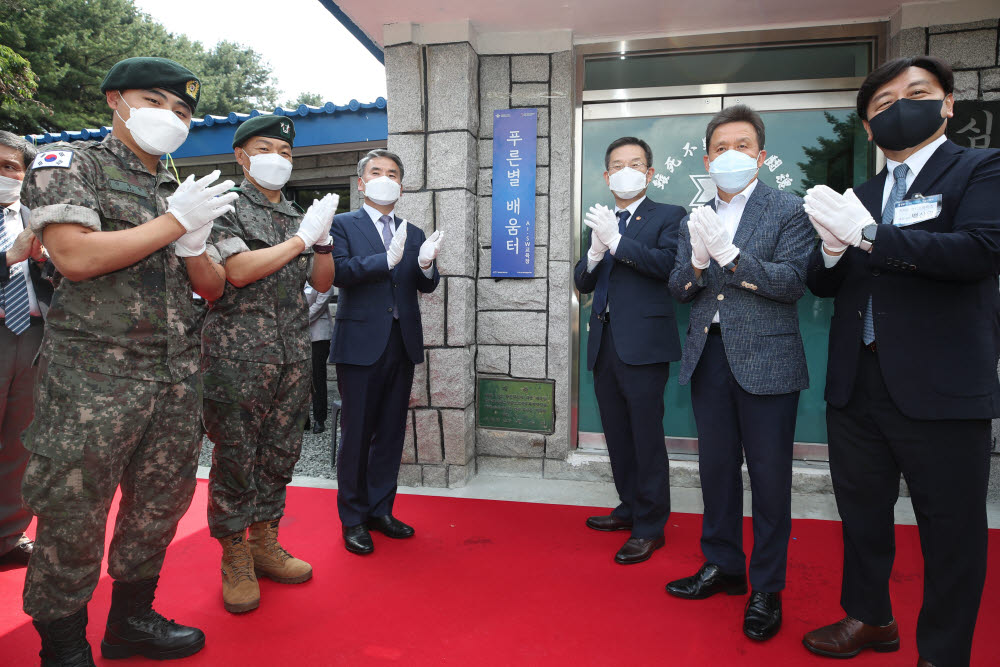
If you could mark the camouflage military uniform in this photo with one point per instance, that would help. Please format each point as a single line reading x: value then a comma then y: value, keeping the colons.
x: 119, y: 397
x: 257, y: 369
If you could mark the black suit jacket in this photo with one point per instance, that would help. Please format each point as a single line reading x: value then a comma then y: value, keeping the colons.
x: 368, y: 286
x: 934, y: 293
x: 642, y: 310
x: 41, y: 274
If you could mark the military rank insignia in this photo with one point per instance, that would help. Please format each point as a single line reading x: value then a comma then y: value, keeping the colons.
x: 53, y: 159
x: 285, y: 128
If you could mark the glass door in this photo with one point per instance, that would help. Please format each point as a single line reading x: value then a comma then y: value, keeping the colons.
x: 811, y: 138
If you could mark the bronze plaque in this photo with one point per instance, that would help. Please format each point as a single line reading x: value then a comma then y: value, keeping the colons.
x: 516, y: 405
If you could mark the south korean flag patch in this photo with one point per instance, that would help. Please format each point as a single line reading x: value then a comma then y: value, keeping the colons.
x: 53, y: 159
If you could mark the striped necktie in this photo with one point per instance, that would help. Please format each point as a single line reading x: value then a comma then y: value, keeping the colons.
x: 17, y: 313
x: 896, y: 195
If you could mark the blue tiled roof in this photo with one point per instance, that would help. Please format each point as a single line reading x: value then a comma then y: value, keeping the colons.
x: 232, y: 119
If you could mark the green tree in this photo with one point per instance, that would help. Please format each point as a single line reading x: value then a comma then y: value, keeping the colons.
x: 312, y: 99
x: 71, y: 44
x: 832, y: 162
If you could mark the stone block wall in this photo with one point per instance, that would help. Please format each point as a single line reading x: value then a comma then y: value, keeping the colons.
x: 441, y: 124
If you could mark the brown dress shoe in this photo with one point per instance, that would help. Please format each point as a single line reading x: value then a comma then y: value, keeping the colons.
x: 848, y: 637
x: 636, y: 550
x: 924, y: 663
x: 608, y: 523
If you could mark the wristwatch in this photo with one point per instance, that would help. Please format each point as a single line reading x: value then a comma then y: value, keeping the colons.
x: 323, y: 249
x: 868, y: 237
x: 731, y: 266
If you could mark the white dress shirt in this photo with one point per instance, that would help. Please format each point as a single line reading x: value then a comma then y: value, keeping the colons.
x: 375, y: 215
x: 14, y: 226
x: 730, y: 214
x: 915, y: 163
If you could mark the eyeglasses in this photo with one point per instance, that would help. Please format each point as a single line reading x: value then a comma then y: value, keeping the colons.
x: 638, y: 165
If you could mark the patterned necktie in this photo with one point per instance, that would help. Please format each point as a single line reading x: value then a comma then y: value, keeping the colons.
x: 17, y: 315
x: 601, y: 290
x: 888, y: 213
x: 386, y: 241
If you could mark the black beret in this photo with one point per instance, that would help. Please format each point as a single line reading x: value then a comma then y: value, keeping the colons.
x: 154, y: 73
x: 275, y: 127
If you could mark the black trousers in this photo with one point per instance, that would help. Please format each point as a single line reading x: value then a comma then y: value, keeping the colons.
x: 630, y: 400
x: 732, y: 423
x: 946, y: 466
x: 374, y: 402
x: 320, y: 351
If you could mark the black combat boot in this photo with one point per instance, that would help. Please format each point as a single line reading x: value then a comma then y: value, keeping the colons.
x: 64, y: 641
x: 135, y: 629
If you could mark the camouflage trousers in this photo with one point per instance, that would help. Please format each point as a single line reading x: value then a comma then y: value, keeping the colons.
x: 91, y: 434
x: 254, y: 414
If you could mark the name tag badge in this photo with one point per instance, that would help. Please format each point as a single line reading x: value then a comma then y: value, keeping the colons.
x: 915, y: 210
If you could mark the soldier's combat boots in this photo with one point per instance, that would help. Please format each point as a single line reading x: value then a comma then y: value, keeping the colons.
x: 270, y: 558
x: 134, y: 628
x: 240, y: 591
x: 64, y: 641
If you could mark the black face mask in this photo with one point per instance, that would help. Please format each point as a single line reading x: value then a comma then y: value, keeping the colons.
x: 907, y: 123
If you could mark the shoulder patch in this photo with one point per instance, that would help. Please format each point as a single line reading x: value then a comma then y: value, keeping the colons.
x: 53, y: 159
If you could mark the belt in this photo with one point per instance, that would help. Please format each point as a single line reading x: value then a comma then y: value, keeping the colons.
x: 870, y: 346
x: 715, y: 329
x: 33, y: 319
x: 605, y: 316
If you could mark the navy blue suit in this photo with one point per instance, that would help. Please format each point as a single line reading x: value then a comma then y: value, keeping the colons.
x: 920, y: 403
x: 375, y: 354
x: 630, y: 354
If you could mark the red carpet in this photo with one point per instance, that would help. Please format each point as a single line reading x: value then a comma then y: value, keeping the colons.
x: 496, y: 583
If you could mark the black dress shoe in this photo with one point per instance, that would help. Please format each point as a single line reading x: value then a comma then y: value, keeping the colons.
x: 20, y: 554
x: 762, y: 616
x: 708, y: 581
x: 608, y: 523
x: 135, y: 628
x: 357, y: 540
x: 390, y: 526
x: 318, y: 427
x: 307, y: 425
x: 637, y: 549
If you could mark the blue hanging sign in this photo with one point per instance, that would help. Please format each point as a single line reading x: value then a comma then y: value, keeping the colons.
x: 514, y: 157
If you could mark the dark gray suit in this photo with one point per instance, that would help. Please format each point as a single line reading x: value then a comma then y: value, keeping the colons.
x: 17, y: 384
x: 745, y: 379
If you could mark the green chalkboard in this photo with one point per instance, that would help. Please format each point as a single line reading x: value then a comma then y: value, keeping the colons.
x: 804, y: 148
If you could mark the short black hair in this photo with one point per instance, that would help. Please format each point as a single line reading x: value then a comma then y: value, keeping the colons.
x: 26, y: 149
x: 738, y: 113
x: 890, y: 70
x: 628, y: 141
x: 380, y: 152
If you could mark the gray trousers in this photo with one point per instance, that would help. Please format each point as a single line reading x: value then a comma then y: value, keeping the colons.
x: 17, y: 384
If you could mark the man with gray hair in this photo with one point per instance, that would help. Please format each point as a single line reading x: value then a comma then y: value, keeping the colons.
x: 24, y: 296
x: 381, y: 261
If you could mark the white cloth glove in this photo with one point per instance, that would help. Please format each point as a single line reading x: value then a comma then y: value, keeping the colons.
x: 602, y: 220
x: 713, y: 234
x: 430, y: 249
x: 843, y: 215
x: 195, y: 204
x: 192, y: 244
x: 831, y: 244
x: 318, y: 219
x: 597, y: 248
x: 700, y: 259
x: 395, y: 252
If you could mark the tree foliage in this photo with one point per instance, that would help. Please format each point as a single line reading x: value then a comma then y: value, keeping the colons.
x: 312, y: 99
x: 69, y: 45
x: 832, y: 162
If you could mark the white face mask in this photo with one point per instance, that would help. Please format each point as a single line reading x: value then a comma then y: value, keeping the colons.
x: 156, y: 131
x: 732, y: 171
x: 627, y: 183
x: 270, y: 170
x: 382, y: 190
x: 10, y: 190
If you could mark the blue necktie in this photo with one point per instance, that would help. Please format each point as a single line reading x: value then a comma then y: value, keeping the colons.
x: 387, y: 241
x: 601, y: 290
x: 896, y: 195
x: 17, y: 314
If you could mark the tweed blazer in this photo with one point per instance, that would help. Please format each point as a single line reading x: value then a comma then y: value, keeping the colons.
x: 756, y: 303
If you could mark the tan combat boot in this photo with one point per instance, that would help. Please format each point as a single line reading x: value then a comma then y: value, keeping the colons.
x: 270, y: 558
x: 240, y: 591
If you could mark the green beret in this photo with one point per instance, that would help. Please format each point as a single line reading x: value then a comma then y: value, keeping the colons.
x: 275, y: 127
x: 154, y: 73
